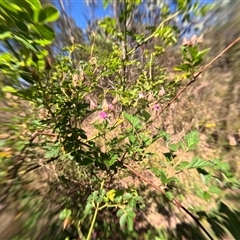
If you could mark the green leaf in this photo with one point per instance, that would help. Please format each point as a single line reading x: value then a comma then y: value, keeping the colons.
x: 88, y: 209
x: 120, y: 212
x: 5, y: 35
x: 122, y: 220
x: 182, y: 165
x: 183, y: 67
x: 65, y: 213
x: 130, y: 224
x: 197, y: 61
x: 174, y: 147
x: 146, y: 116
x: 36, y: 5
x: 45, y: 31
x: 215, y: 189
x: 169, y: 195
x: 9, y: 89
x: 112, y: 160
x: 53, y: 151
x: 163, y: 134
x: 10, y: 6
x: 132, y: 139
x: 135, y: 121
x: 201, y: 54
x: 48, y: 14
x: 26, y: 43
x: 160, y: 174
x: 127, y: 196
x: 132, y: 202
x: 130, y: 213
x: 198, y: 163
x: 224, y: 166
x: 106, y: 3
x: 192, y: 140
x: 206, y: 195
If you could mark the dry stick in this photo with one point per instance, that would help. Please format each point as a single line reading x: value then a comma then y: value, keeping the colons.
x: 174, y: 201
x: 196, y: 76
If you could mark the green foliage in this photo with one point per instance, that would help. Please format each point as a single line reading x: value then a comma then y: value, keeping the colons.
x: 117, y: 96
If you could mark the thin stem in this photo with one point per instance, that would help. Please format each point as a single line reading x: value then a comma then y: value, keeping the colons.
x: 80, y: 235
x: 93, y: 222
x: 196, y: 76
x: 153, y: 34
x: 94, y: 216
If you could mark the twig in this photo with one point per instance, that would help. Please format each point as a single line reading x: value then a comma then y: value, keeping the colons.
x: 196, y: 76
x: 174, y: 201
x: 153, y: 34
x: 30, y: 169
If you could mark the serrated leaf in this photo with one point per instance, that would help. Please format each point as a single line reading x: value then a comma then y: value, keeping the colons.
x: 198, y: 163
x: 192, y: 140
x: 53, y: 151
x: 135, y: 121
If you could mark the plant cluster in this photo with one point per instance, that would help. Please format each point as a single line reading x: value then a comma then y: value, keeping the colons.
x: 96, y: 118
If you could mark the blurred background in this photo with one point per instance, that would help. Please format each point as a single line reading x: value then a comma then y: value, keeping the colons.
x: 32, y: 195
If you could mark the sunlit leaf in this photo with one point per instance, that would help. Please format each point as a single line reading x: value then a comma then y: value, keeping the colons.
x: 65, y: 213
x: 48, y: 14
x: 9, y: 89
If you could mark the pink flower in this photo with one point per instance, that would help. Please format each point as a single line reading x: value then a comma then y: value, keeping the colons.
x: 110, y: 106
x: 156, y: 107
x: 103, y: 115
